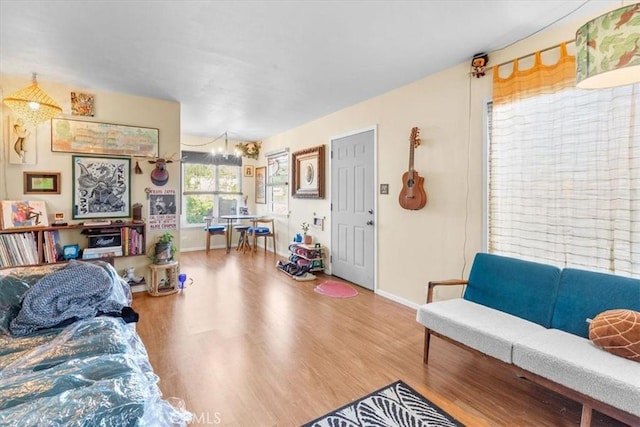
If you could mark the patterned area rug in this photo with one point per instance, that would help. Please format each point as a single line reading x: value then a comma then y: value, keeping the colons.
x: 332, y: 288
x: 394, y: 405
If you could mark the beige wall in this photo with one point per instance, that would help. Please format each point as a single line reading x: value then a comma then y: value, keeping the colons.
x: 110, y: 108
x: 439, y: 241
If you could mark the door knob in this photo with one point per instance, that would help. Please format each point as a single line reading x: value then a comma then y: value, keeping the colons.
x: 371, y: 211
x: 369, y: 222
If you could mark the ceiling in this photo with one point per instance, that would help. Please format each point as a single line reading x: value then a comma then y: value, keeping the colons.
x: 257, y: 68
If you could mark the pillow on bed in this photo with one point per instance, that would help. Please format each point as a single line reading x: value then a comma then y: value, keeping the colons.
x: 618, y: 332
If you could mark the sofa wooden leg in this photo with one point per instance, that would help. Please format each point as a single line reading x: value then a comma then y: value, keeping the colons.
x: 427, y: 338
x: 585, y: 420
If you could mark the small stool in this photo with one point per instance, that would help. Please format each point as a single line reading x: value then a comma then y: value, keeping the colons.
x: 167, y: 285
x: 243, y: 240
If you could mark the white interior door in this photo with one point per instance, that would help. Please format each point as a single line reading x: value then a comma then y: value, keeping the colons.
x: 352, y: 208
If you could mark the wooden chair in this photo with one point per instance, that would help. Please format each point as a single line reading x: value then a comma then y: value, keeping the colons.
x: 211, y: 230
x: 260, y: 229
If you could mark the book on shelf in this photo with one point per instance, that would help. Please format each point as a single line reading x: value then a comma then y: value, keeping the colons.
x: 18, y: 249
x: 52, y: 249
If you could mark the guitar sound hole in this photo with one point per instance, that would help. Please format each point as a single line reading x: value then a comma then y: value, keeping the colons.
x: 410, y: 183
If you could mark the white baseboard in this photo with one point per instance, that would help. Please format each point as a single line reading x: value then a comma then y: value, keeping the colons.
x: 397, y: 299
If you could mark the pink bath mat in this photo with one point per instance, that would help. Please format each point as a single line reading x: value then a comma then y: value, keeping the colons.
x: 335, y: 289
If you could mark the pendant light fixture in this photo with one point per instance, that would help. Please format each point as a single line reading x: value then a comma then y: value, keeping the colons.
x: 608, y: 49
x: 32, y: 104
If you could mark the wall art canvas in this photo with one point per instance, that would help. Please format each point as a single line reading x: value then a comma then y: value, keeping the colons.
x: 77, y: 136
x: 22, y: 142
x: 101, y: 187
x: 82, y: 104
x: 24, y: 213
x: 261, y: 185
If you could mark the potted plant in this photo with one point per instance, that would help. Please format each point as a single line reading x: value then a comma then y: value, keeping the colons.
x: 306, y: 238
x: 165, y: 249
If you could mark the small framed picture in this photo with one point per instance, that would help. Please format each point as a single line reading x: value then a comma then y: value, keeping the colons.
x: 308, y: 173
x: 248, y: 170
x: 41, y: 182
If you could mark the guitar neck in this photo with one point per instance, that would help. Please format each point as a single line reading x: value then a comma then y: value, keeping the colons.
x: 411, y: 150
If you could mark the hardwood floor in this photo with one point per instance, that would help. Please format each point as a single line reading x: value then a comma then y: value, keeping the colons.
x: 246, y: 345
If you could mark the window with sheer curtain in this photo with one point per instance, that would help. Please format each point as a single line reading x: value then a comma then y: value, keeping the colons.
x: 564, y: 170
x: 211, y: 186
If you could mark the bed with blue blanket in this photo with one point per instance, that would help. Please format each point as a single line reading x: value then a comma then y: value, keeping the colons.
x: 70, y: 354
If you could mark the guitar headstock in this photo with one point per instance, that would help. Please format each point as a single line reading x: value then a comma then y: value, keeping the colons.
x: 415, y: 132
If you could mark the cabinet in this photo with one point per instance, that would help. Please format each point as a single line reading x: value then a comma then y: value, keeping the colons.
x: 303, y: 255
x: 43, y: 245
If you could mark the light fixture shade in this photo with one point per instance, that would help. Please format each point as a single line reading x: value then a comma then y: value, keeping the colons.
x: 32, y: 104
x: 608, y: 49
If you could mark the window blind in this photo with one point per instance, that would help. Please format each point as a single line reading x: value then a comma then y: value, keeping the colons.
x: 564, y: 179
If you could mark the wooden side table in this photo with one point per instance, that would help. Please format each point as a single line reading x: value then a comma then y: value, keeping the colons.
x: 164, y: 279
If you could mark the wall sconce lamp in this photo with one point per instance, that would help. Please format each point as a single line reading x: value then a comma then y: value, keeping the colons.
x: 32, y: 104
x: 608, y: 49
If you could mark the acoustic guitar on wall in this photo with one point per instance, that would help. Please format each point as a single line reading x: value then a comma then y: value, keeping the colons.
x: 412, y: 195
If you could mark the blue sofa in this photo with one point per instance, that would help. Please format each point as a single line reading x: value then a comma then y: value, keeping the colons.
x: 532, y: 318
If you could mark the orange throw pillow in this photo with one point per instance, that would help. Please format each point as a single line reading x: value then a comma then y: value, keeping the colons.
x: 618, y: 332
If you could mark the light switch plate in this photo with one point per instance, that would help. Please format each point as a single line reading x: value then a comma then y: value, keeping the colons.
x: 384, y: 188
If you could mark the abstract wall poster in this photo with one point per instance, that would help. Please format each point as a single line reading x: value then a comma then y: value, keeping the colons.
x: 163, y: 212
x: 101, y: 187
x: 76, y: 136
x: 24, y: 213
x: 82, y: 104
x: 22, y: 142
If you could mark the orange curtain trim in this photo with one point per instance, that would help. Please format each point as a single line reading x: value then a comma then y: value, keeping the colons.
x: 536, y: 80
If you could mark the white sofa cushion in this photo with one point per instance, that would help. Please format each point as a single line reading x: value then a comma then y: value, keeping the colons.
x: 487, y: 330
x: 576, y: 363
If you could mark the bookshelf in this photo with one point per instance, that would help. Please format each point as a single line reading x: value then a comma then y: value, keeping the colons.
x: 43, y: 245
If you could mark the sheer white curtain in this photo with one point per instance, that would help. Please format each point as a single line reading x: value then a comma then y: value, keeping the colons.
x: 564, y: 177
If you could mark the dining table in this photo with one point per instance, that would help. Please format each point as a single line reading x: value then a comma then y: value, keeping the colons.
x: 230, y: 220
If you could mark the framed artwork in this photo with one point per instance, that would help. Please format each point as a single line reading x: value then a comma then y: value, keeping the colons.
x: 24, y: 213
x: 261, y: 187
x: 82, y: 104
x: 101, y: 187
x: 76, y: 136
x: 308, y: 173
x: 22, y: 142
x: 41, y: 182
x: 248, y: 170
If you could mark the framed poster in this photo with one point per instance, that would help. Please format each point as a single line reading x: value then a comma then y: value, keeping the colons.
x: 101, y: 187
x: 41, y: 182
x: 163, y: 211
x: 77, y: 136
x: 308, y: 173
x: 248, y: 170
x: 261, y: 187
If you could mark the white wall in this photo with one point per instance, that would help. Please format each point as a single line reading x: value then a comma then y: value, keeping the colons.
x: 109, y: 108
